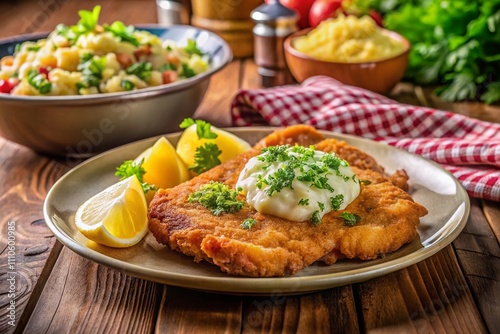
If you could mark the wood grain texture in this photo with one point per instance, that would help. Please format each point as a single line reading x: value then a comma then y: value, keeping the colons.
x: 221, y: 90
x: 430, y: 297
x: 188, y: 311
x: 478, y: 252
x: 492, y: 213
x: 26, y: 178
x: 81, y: 296
x: 328, y: 311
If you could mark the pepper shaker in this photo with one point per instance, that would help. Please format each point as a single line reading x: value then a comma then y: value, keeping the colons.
x: 273, y: 23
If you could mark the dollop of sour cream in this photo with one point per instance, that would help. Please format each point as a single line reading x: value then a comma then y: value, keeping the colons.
x: 297, y: 183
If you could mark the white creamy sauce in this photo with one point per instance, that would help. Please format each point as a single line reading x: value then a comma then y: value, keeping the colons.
x: 303, y: 200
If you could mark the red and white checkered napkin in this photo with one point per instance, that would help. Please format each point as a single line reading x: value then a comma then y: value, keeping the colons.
x: 468, y: 148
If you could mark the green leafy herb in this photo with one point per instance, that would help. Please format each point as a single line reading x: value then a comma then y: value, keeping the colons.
x: 192, y: 48
x: 127, y: 84
x: 350, y: 218
x: 33, y: 48
x: 141, y: 69
x: 91, y: 68
x: 217, y: 197
x: 248, y: 223
x: 129, y: 168
x: 203, y: 129
x: 206, y: 157
x: 89, y: 19
x: 455, y: 44
x: 304, y: 201
x: 187, y: 71
x: 336, y: 202
x: 298, y: 163
x: 316, y: 218
x: 321, y: 206
x: 123, y: 32
x: 87, y: 23
x: 39, y: 82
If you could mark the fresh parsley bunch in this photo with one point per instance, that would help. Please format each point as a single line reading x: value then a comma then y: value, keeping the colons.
x: 455, y: 44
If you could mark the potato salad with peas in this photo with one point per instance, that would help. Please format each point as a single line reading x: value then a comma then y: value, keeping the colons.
x: 88, y: 58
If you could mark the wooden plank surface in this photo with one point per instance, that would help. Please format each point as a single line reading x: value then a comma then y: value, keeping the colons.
x: 81, y: 296
x: 26, y: 178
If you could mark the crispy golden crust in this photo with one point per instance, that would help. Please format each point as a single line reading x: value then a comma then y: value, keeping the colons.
x: 275, y: 246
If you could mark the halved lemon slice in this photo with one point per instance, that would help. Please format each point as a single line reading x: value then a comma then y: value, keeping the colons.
x: 164, y: 168
x: 115, y: 217
x: 229, y: 144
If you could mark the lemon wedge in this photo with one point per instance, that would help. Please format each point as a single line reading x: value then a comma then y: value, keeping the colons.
x: 229, y: 144
x: 115, y: 217
x: 164, y: 168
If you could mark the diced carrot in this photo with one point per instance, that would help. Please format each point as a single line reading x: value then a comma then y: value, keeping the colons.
x: 7, y: 61
x: 169, y: 76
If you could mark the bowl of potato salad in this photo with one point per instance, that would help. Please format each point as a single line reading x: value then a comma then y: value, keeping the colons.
x: 85, y: 88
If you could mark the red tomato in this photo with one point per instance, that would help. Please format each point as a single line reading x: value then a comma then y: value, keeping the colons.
x: 322, y: 10
x: 377, y: 18
x: 6, y: 86
x: 302, y: 7
x: 44, y: 70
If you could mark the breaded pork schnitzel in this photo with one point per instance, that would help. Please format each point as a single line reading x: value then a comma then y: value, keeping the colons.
x: 276, y: 246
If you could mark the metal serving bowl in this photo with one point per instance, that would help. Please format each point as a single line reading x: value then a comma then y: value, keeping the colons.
x: 81, y: 126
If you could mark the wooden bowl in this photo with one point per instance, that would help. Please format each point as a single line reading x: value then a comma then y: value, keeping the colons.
x: 378, y: 76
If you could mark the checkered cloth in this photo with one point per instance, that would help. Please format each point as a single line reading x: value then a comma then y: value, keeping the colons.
x: 468, y: 148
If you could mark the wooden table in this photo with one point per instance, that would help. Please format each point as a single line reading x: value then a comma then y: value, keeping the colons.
x: 57, y: 291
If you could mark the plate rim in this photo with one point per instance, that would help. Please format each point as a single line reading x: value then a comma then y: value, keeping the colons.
x: 267, y: 285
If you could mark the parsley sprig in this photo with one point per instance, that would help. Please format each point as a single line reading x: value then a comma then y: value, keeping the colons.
x: 192, y: 48
x: 217, y: 197
x: 123, y: 32
x: 129, y: 168
x: 87, y: 23
x: 203, y: 128
x: 205, y: 158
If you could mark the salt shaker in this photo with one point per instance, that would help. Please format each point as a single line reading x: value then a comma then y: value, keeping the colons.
x: 273, y: 23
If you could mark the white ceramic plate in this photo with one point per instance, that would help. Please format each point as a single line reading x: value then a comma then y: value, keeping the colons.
x: 431, y: 185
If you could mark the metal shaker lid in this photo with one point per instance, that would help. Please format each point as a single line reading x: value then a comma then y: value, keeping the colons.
x: 272, y: 12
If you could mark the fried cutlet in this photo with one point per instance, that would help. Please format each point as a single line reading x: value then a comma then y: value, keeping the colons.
x: 276, y: 246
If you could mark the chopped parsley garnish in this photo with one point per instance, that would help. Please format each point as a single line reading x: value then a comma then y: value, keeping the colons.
x: 187, y: 72
x: 141, y: 69
x: 203, y: 129
x: 129, y: 168
x: 123, y: 32
x: 365, y: 182
x: 350, y: 219
x: 298, y: 163
x: 321, y: 206
x: 316, y: 218
x: 206, y: 157
x: 217, y: 197
x: 127, y: 84
x: 91, y: 68
x: 39, y: 82
x: 248, y: 223
x: 336, y: 202
x: 304, y: 201
x: 192, y: 48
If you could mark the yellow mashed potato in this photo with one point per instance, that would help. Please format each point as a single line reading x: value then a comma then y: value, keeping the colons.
x: 348, y: 39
